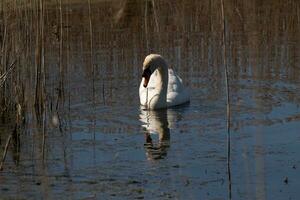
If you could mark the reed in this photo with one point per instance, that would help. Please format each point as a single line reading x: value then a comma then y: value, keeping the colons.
x: 61, y: 70
x: 91, y: 52
x: 4, y: 76
x: 228, y: 113
x: 68, y: 56
x: 5, y: 152
x: 40, y: 62
x: 146, y: 26
x: 155, y: 15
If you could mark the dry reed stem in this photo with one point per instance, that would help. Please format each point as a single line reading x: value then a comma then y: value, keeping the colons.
x: 155, y: 16
x: 44, y: 136
x: 91, y: 51
x: 61, y: 72
x: 5, y: 151
x: 103, y: 91
x: 146, y: 26
x: 39, y: 59
x: 3, y: 40
x: 3, y: 77
x: 43, y: 53
x: 68, y: 59
x: 227, y: 99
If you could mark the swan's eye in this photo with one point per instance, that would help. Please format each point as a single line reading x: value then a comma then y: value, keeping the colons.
x: 146, y: 73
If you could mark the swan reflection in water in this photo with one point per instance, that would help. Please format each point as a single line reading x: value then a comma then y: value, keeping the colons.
x: 157, y: 123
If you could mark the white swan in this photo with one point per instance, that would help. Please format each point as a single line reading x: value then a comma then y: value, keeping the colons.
x: 160, y: 86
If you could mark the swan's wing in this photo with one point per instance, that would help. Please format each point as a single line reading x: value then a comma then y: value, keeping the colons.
x: 177, y: 93
x: 175, y: 82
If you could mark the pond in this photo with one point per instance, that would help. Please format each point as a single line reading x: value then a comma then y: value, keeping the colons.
x: 97, y: 143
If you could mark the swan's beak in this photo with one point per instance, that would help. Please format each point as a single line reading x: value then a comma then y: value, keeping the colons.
x: 146, y: 75
x: 146, y: 81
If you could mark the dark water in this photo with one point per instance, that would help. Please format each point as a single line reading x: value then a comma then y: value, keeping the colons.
x: 97, y: 143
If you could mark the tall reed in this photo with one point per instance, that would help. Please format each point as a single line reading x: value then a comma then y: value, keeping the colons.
x: 227, y: 97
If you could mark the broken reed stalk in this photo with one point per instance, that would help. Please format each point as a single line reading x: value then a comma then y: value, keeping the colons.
x: 3, y: 76
x: 227, y: 98
x: 5, y: 151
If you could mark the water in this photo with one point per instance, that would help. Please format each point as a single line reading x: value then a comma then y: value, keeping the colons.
x: 98, y: 140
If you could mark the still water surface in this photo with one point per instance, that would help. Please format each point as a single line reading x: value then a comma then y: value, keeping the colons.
x: 106, y: 147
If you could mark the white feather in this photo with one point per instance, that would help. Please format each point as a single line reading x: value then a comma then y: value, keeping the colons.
x: 176, y: 94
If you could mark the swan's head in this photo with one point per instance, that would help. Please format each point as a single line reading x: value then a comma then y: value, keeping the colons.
x: 151, y: 63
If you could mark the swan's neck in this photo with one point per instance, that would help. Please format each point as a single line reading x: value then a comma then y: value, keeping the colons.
x: 162, y: 86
